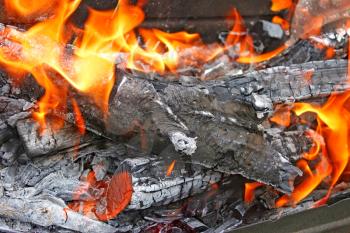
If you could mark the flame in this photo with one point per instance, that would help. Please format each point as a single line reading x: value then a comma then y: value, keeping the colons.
x: 262, y: 57
x: 312, y: 177
x: 79, y: 120
x: 88, y: 64
x: 27, y: 11
x: 278, y: 5
x: 285, y: 25
x: 170, y: 168
x: 330, y: 151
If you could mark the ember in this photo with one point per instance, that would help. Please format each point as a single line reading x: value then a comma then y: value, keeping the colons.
x: 110, y: 124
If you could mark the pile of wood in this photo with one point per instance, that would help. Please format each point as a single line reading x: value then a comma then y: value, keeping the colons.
x: 218, y: 132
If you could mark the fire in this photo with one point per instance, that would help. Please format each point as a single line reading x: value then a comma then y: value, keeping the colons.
x: 285, y: 25
x: 108, y: 197
x: 262, y: 57
x: 278, y: 5
x: 170, y: 168
x: 281, y: 116
x: 333, y: 120
x: 88, y: 64
x: 330, y: 151
x: 62, y: 57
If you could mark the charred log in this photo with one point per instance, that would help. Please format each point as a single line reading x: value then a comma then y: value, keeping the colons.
x: 217, y: 122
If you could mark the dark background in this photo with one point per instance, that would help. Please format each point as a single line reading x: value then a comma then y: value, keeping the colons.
x: 207, y: 17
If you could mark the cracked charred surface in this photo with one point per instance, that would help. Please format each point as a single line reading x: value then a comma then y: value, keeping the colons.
x: 58, y: 174
x: 224, y: 116
x: 216, y: 122
x: 42, y: 179
x: 200, y: 120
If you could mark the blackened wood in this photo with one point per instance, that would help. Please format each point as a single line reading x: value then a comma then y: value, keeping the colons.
x: 222, y: 114
x: 218, y: 121
x: 201, y: 120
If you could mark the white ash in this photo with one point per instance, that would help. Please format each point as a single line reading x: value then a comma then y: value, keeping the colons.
x: 183, y: 143
x: 233, y: 120
x: 272, y: 29
x: 204, y: 113
x: 261, y: 102
x: 169, y: 190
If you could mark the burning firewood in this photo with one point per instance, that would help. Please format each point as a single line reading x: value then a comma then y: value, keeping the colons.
x: 116, y: 127
x: 222, y: 129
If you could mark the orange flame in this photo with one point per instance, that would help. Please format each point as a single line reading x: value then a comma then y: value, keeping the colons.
x: 285, y: 25
x: 88, y: 66
x: 311, y: 179
x: 170, y: 168
x: 79, y: 120
x: 278, y: 5
x: 330, y: 150
x: 262, y: 57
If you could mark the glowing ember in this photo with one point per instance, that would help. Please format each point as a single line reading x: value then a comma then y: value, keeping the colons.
x: 249, y: 191
x: 170, y: 168
x: 281, y: 116
x: 118, y: 195
x: 113, y: 197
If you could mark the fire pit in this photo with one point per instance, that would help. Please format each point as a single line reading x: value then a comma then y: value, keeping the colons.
x: 174, y: 116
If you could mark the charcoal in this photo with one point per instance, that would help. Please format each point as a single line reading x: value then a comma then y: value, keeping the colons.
x: 302, y: 51
x: 9, y: 151
x: 266, y: 35
x: 152, y: 186
x: 58, y: 176
x: 194, y: 224
x: 227, y: 225
x: 292, y: 143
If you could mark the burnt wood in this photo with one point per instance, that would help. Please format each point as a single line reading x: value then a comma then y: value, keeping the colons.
x: 216, y: 123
